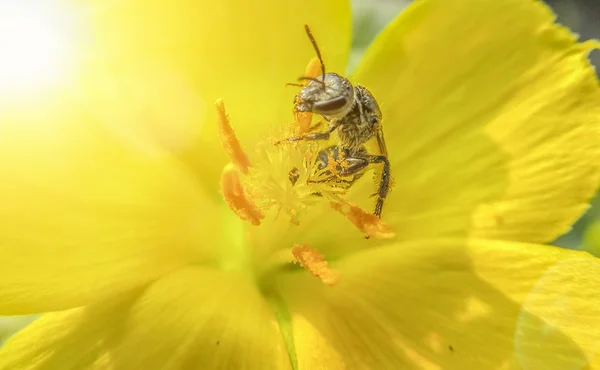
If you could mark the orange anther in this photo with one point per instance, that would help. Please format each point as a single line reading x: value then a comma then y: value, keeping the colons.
x: 304, y: 119
x: 313, y: 69
x: 366, y: 222
x: 229, y: 140
x: 234, y: 195
x: 315, y: 263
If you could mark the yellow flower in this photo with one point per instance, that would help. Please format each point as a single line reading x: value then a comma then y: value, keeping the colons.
x: 112, y: 218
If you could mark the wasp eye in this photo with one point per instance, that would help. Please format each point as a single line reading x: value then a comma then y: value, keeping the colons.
x: 331, y: 104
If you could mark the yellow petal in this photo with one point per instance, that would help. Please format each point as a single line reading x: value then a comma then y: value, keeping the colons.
x: 491, y: 114
x: 231, y: 49
x: 192, y: 319
x: 90, y: 209
x: 450, y: 304
x: 71, y: 339
x: 559, y: 294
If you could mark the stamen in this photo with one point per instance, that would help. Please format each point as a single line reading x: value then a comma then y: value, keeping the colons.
x: 234, y: 196
x: 315, y: 263
x: 229, y: 140
x: 332, y: 163
x: 304, y: 119
x: 278, y: 180
x: 366, y: 222
x: 313, y: 70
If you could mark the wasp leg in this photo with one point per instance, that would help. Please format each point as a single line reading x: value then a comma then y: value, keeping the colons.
x: 316, y: 136
x: 352, y: 167
x: 384, y: 183
x: 316, y: 126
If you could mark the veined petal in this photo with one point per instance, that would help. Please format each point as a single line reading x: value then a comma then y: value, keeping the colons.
x: 68, y: 340
x: 90, y: 208
x: 240, y: 51
x: 192, y: 319
x: 450, y: 304
x: 491, y: 115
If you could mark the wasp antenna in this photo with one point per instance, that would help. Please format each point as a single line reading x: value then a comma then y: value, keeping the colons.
x: 293, y: 84
x: 316, y: 47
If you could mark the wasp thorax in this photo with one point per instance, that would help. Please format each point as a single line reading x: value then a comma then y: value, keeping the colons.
x: 329, y: 95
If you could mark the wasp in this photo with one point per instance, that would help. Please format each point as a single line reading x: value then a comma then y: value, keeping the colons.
x: 352, y: 112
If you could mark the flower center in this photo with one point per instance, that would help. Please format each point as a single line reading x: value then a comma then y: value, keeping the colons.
x: 282, y: 181
x: 278, y: 179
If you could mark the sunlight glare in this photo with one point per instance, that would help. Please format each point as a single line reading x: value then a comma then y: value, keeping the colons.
x: 36, y: 42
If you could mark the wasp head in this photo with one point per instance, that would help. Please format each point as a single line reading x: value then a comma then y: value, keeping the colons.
x: 330, y: 95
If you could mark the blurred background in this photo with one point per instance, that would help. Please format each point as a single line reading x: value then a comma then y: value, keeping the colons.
x: 370, y: 16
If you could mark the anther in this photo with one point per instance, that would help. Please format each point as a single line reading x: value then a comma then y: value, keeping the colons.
x: 304, y: 119
x: 229, y: 140
x: 315, y: 263
x: 234, y: 196
x: 366, y: 222
x: 313, y: 69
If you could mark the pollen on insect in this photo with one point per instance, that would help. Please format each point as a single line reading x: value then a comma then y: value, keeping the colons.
x: 304, y: 119
x: 320, y: 175
x: 229, y: 140
x: 332, y: 164
x: 272, y: 179
x: 314, y: 262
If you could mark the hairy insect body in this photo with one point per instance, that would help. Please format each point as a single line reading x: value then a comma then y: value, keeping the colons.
x: 333, y: 163
x: 353, y: 112
x: 361, y: 123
